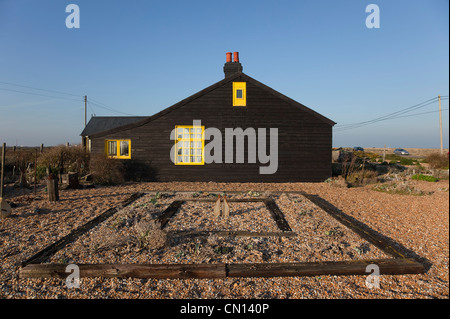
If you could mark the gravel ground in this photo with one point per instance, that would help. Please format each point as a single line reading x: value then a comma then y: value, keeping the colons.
x: 418, y: 223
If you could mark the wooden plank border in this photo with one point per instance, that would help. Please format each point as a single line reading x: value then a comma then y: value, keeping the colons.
x: 231, y: 233
x: 393, y: 266
x: 157, y: 271
x: 277, y: 215
x: 212, y: 271
x: 356, y: 226
x: 170, y: 212
x: 48, y: 251
x: 332, y: 268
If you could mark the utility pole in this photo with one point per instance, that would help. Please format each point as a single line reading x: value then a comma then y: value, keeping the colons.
x: 440, y: 123
x: 85, y: 110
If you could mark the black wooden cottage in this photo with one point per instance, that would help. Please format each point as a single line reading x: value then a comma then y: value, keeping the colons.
x: 193, y: 139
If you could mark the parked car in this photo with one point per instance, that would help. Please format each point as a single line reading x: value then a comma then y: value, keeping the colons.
x: 400, y: 151
x: 358, y: 148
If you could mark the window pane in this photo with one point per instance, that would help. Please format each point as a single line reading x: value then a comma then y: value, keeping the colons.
x: 124, y: 148
x: 239, y: 94
x: 112, y: 148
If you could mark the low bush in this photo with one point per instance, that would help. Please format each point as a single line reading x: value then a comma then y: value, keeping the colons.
x: 361, y: 177
x: 421, y: 177
x: 105, y: 170
x: 399, y: 189
x: 437, y: 161
x: 401, y: 159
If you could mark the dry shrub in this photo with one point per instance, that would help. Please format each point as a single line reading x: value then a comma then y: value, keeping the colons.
x: 105, y: 170
x: 148, y: 235
x: 65, y: 159
x: 362, y: 177
x: 436, y: 160
x: 21, y: 160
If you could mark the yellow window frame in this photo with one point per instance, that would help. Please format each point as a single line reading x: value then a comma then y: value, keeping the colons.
x: 117, y: 146
x: 189, y: 145
x: 239, y: 93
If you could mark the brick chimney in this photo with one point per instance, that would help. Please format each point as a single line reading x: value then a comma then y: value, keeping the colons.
x: 231, y: 68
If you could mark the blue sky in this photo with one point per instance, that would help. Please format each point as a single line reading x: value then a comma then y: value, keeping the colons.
x: 139, y: 57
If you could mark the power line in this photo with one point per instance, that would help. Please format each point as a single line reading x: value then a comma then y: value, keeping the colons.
x: 34, y: 88
x: 93, y: 101
x: 46, y: 95
x: 104, y: 106
x: 393, y: 115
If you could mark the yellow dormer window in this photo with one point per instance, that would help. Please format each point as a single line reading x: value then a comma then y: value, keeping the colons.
x: 239, y: 94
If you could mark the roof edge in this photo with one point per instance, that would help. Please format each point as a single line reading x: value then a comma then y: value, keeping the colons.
x: 171, y: 108
x: 209, y: 89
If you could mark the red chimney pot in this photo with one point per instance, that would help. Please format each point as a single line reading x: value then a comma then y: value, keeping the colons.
x: 236, y: 56
x: 228, y: 56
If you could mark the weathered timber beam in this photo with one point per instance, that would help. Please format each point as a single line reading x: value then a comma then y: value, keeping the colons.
x: 229, y: 233
x: 157, y: 271
x: 277, y: 215
x: 169, y: 212
x: 395, y: 266
x: 231, y: 200
x: 253, y: 234
x: 387, y: 266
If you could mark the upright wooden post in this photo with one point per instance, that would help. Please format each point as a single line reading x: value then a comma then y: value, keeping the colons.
x: 5, y: 208
x: 3, y: 169
x: 35, y: 170
x: 440, y: 124
x: 52, y: 188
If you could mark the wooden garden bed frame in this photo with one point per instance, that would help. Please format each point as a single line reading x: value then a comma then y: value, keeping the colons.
x: 398, y: 264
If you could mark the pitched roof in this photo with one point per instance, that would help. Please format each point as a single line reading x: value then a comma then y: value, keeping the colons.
x: 241, y: 75
x: 99, y: 124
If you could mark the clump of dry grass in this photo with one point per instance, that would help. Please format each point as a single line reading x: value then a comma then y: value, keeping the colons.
x: 108, y: 239
x: 149, y: 235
